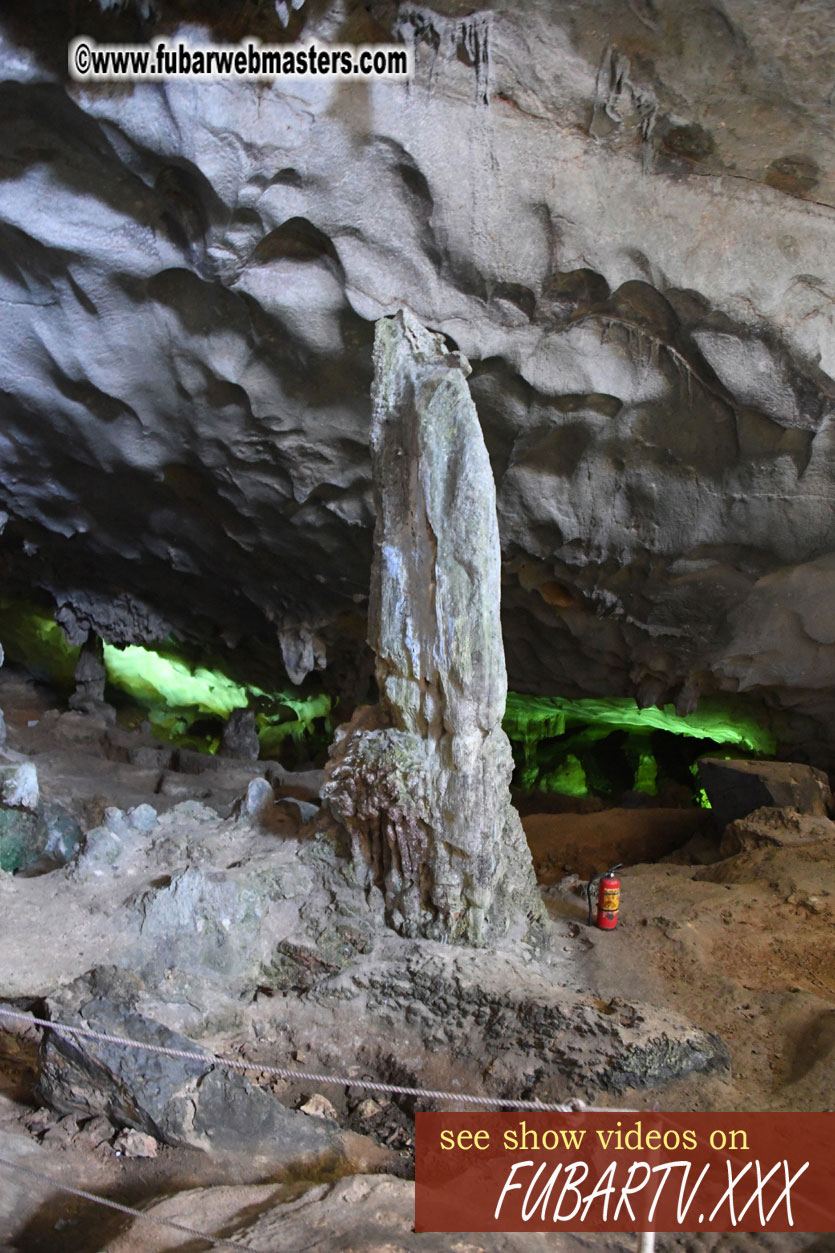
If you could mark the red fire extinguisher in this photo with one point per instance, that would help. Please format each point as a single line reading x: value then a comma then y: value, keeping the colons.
x: 608, y: 898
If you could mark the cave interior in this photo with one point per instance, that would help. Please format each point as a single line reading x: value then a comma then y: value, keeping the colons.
x: 416, y: 498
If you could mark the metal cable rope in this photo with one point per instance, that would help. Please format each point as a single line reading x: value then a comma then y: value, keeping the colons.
x: 284, y: 1072
x: 123, y: 1209
x: 646, y: 1239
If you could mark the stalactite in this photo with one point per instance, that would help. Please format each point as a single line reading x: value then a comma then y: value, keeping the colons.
x: 468, y: 38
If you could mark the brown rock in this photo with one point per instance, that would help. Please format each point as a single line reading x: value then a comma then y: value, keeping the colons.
x: 319, y: 1106
x: 782, y: 828
x: 588, y: 843
x: 130, y: 1143
x: 737, y: 788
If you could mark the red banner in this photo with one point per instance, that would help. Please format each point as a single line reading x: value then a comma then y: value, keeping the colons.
x: 625, y: 1172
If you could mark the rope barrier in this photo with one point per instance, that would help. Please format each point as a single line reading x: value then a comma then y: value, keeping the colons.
x: 122, y: 1209
x: 646, y: 1240
x: 284, y: 1072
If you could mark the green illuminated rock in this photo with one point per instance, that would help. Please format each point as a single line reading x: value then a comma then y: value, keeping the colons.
x: 645, y: 775
x: 153, y: 679
x: 569, y: 778
x: 421, y: 781
x: 174, y: 691
x: 530, y: 719
x: 31, y: 636
x: 608, y: 746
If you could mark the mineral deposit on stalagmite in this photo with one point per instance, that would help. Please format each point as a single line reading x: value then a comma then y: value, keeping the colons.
x: 421, y: 781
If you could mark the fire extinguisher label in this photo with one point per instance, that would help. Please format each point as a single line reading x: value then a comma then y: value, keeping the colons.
x: 609, y: 900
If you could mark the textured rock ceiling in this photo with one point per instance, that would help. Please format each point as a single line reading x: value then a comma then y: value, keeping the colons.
x: 621, y: 211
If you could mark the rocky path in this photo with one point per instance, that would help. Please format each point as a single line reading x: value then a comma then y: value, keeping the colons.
x: 723, y: 967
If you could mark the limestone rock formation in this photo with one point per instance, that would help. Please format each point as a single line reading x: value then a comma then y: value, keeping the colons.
x: 240, y: 738
x: 626, y: 223
x: 33, y: 831
x: 376, y: 1214
x: 737, y: 788
x: 187, y: 1102
x: 90, y: 676
x: 770, y: 827
x: 421, y: 781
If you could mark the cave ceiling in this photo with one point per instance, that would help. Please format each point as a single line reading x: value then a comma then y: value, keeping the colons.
x: 623, y: 213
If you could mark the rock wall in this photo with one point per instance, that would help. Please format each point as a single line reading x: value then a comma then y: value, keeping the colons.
x: 421, y: 782
x: 622, y: 216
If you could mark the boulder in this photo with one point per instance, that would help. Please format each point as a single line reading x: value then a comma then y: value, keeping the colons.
x: 240, y: 738
x: 191, y: 1103
x: 111, y: 846
x: 21, y: 838
x: 64, y: 835
x: 495, y: 1014
x: 780, y: 828
x: 20, y: 786
x: 49, y: 837
x: 259, y: 799
x: 736, y: 788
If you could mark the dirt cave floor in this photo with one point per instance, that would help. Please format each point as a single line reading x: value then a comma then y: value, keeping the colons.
x: 741, y: 947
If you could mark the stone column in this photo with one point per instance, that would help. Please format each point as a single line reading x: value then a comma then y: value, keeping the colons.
x: 420, y: 781
x: 90, y: 676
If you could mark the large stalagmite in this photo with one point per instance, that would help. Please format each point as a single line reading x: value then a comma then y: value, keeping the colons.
x: 421, y: 780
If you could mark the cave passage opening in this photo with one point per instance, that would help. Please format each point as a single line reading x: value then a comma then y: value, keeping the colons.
x: 185, y: 703
x: 603, y: 749
x: 609, y: 749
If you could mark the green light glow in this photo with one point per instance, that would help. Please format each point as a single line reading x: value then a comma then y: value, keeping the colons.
x: 569, y: 778
x: 530, y: 719
x: 568, y: 746
x: 153, y: 680
x: 701, y: 794
x: 646, y: 775
x: 609, y: 746
x: 174, y: 693
x: 29, y: 636
x: 273, y: 733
